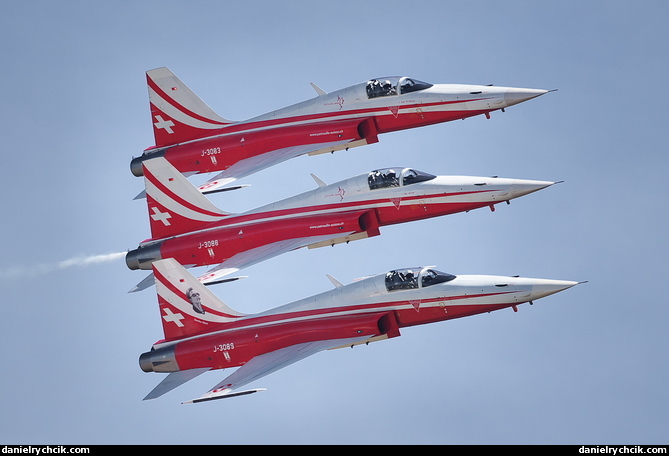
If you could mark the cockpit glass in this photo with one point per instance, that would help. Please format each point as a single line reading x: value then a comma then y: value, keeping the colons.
x: 432, y: 277
x: 384, y: 87
x: 402, y: 279
x: 395, y: 177
x: 413, y: 85
x: 380, y: 88
x: 384, y: 178
x: 412, y: 176
x: 409, y: 278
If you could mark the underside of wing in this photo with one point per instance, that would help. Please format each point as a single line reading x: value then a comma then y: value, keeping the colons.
x: 276, y: 145
x: 267, y: 363
x: 257, y: 163
x: 255, y: 256
x: 249, y: 258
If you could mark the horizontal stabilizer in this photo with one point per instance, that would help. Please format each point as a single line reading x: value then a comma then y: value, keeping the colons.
x: 148, y: 281
x: 173, y: 380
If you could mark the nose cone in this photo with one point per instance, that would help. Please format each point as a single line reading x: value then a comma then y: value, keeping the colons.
x: 544, y: 287
x: 521, y: 187
x: 513, y: 96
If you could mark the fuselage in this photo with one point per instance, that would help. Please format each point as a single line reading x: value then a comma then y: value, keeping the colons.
x: 345, y: 118
x: 348, y: 210
x: 398, y: 104
x: 373, y: 308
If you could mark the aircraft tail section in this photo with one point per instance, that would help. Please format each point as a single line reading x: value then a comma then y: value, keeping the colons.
x: 186, y: 306
x: 177, y: 113
x: 175, y: 205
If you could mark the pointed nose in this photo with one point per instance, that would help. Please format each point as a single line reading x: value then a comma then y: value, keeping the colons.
x: 544, y: 287
x: 521, y: 187
x: 514, y: 96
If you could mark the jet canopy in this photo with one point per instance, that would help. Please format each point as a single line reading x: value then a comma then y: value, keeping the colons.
x: 384, y: 87
x: 411, y: 278
x: 396, y: 177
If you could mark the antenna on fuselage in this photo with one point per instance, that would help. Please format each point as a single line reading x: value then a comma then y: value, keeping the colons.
x: 318, y: 180
x: 318, y: 90
x: 334, y: 281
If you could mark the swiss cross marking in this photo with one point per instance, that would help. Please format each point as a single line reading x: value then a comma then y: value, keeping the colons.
x: 173, y: 317
x: 161, y: 216
x: 166, y: 124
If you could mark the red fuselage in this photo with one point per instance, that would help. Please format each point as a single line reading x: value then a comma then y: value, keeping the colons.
x: 371, y: 309
x: 196, y: 140
x: 347, y: 210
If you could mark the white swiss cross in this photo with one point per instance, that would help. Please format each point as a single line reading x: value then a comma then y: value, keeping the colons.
x: 166, y: 124
x: 173, y: 317
x: 161, y: 216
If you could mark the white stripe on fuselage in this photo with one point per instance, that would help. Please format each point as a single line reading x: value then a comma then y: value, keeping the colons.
x: 425, y: 200
x: 359, y: 113
x: 380, y: 307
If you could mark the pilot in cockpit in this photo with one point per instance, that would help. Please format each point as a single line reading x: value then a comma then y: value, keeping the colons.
x: 410, y: 280
x: 388, y: 88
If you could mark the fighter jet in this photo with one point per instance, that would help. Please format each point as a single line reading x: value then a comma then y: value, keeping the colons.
x: 202, y: 333
x: 191, y: 136
x: 187, y: 226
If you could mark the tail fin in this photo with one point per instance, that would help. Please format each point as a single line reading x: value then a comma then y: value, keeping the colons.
x: 177, y: 114
x: 175, y: 205
x: 186, y: 306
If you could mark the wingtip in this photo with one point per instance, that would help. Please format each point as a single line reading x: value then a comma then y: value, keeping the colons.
x: 224, y: 396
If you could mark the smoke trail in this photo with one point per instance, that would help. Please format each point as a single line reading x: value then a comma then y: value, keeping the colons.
x: 44, y: 268
x: 88, y: 260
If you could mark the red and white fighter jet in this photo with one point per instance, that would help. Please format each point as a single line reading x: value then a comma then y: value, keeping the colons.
x: 202, y: 333
x: 185, y: 225
x: 194, y: 139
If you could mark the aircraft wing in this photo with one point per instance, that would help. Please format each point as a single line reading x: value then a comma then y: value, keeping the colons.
x: 252, y: 165
x: 322, y: 138
x: 254, y: 256
x: 251, y: 257
x: 242, y: 260
x: 331, y: 235
x: 267, y: 363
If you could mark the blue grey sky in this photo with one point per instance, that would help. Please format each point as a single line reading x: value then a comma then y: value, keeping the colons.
x: 588, y: 365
